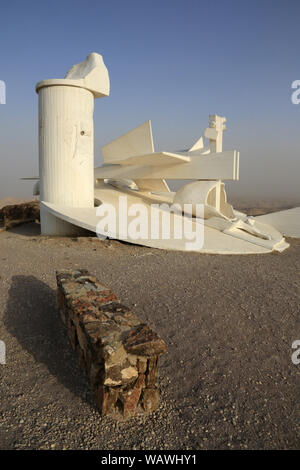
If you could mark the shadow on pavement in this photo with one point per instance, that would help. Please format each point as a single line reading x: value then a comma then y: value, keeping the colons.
x: 32, y: 317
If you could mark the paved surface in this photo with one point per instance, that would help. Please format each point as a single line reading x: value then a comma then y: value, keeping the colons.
x: 227, y: 378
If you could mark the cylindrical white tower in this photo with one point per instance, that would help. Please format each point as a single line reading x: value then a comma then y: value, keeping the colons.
x: 66, y: 140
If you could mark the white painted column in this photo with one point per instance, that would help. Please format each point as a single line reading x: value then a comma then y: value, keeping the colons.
x: 66, y: 140
x: 66, y: 150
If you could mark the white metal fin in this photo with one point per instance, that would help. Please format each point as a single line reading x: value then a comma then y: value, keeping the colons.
x: 138, y: 141
x: 154, y: 159
x: 197, y: 145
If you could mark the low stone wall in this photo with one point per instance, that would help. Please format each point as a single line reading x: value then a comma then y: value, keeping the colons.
x: 119, y: 353
x: 17, y: 214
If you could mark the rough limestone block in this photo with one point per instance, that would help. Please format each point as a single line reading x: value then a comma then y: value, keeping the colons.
x: 17, y: 214
x: 118, y: 352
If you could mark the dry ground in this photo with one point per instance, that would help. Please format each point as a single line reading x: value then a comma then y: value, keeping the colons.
x: 227, y: 378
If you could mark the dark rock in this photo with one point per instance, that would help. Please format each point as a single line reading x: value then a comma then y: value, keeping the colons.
x: 17, y: 214
x: 142, y: 365
x: 152, y: 371
x: 106, y: 398
x: 143, y: 341
x: 150, y: 399
x: 131, y: 397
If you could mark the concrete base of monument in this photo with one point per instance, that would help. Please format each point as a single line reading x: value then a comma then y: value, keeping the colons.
x: 287, y: 221
x: 216, y: 235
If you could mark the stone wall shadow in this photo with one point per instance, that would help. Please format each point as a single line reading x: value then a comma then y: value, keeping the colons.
x: 33, y: 319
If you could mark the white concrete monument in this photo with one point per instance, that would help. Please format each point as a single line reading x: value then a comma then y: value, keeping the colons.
x: 66, y: 139
x: 134, y: 175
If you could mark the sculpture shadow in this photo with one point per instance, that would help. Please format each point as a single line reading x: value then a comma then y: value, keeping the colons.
x: 28, y: 229
x: 33, y: 319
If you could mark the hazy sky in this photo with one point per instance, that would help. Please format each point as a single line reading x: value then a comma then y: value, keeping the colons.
x: 170, y: 61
